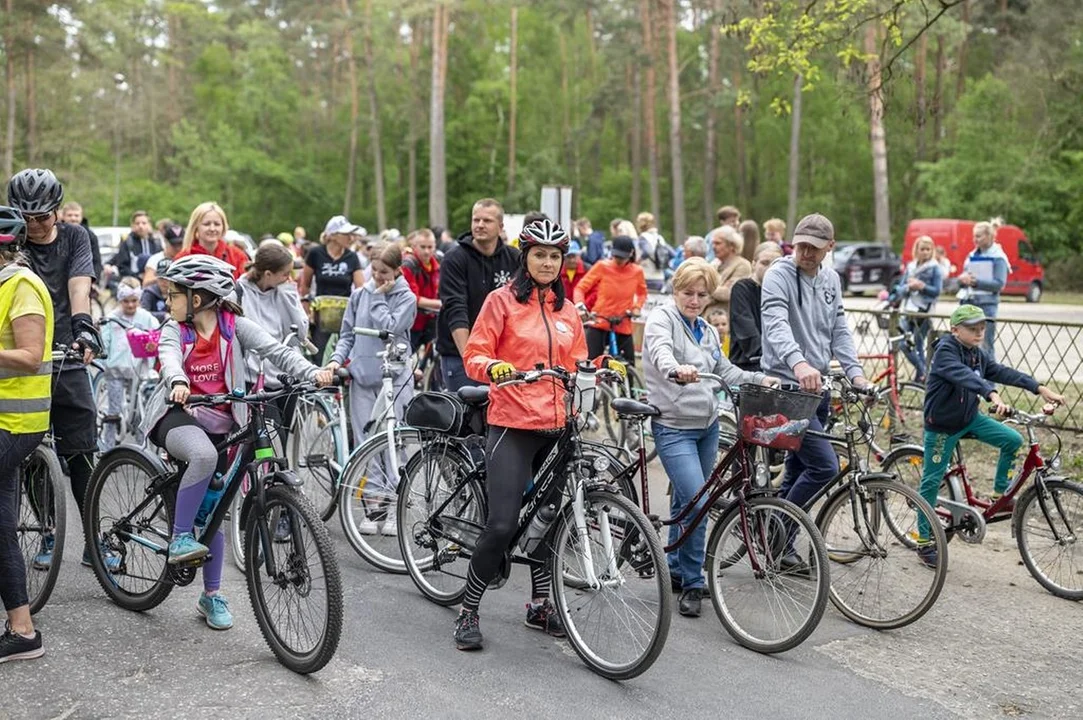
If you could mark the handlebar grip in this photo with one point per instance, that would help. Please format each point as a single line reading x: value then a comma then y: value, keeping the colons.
x: 370, y: 332
x: 341, y: 376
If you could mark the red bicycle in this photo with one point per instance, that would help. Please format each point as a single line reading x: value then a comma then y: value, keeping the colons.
x: 1046, y: 516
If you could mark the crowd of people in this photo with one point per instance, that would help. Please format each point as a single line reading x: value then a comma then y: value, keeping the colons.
x: 751, y: 311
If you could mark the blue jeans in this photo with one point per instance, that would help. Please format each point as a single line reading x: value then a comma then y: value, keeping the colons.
x: 814, y: 465
x: 989, y: 305
x: 455, y: 377
x: 688, y: 457
x: 918, y: 330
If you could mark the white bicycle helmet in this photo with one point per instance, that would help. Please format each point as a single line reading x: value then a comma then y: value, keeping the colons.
x: 543, y: 232
x: 202, y: 272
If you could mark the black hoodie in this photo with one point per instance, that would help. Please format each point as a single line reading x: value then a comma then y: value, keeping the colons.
x: 466, y: 279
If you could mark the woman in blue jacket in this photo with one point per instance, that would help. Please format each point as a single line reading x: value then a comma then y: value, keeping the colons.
x: 918, y: 291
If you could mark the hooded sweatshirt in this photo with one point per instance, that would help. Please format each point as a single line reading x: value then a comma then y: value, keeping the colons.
x: 467, y: 276
x: 803, y: 320
x: 276, y: 311
x: 393, y: 311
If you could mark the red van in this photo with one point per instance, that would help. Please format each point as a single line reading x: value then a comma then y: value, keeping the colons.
x: 1027, y: 277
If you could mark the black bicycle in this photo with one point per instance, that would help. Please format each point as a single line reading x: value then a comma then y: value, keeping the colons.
x: 612, y: 591
x: 293, y: 577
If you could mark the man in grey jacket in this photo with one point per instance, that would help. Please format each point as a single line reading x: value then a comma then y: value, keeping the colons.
x: 804, y: 327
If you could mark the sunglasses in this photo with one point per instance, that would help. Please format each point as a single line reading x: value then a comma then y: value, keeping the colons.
x: 39, y: 219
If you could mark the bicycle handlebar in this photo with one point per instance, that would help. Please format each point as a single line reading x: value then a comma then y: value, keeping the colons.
x: 1019, y: 417
x: 384, y: 335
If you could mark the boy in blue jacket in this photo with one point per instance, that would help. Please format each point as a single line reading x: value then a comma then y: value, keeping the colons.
x: 961, y: 371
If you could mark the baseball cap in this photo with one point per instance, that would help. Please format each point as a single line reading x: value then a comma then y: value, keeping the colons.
x: 814, y: 229
x: 623, y: 247
x: 173, y: 234
x: 285, y: 238
x: 339, y: 225
x: 574, y: 248
x: 968, y: 315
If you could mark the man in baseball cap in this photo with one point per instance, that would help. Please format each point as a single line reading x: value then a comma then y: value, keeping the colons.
x: 804, y: 329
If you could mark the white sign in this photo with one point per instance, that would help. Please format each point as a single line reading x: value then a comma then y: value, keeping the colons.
x: 556, y: 202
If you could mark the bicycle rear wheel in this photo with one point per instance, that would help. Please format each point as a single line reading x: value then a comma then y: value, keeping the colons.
x: 298, y: 605
x: 619, y: 624
x: 877, y: 578
x: 441, y: 512
x: 765, y: 605
x: 42, y: 521
x: 317, y: 449
x: 1048, y: 522
x: 123, y: 515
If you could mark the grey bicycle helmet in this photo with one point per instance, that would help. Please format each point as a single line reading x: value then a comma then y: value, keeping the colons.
x: 201, y: 272
x: 35, y: 191
x: 12, y: 227
x: 543, y: 232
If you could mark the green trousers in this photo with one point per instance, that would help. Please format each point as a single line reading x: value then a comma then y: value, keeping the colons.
x: 939, y: 447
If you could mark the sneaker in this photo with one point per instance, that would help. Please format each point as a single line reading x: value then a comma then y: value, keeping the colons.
x: 216, y: 609
x: 691, y: 602
x: 544, y: 617
x: 44, y: 559
x: 368, y: 527
x: 792, y: 564
x: 928, y: 556
x: 184, y: 548
x: 14, y: 646
x: 390, y: 526
x: 468, y: 630
x: 283, y: 531
x: 110, y: 558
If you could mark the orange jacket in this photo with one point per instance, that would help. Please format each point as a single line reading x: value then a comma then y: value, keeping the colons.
x: 525, y: 334
x: 620, y: 288
x: 223, y: 251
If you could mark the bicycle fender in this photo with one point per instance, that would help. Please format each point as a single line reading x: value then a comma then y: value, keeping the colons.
x: 901, y: 449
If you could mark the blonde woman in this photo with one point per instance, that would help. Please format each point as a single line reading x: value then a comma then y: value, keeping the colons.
x: 984, y: 275
x: 917, y: 293
x: 205, y: 235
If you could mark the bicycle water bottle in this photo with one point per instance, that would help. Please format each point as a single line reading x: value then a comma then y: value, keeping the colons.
x: 586, y: 381
x: 534, y: 534
x: 214, y: 493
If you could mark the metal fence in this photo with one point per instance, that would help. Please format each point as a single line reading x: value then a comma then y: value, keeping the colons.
x: 1051, y: 352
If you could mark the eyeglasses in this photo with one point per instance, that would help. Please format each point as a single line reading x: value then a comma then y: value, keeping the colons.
x: 39, y: 219
x: 174, y: 293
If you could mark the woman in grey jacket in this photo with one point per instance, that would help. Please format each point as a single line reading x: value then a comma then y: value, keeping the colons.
x: 677, y: 340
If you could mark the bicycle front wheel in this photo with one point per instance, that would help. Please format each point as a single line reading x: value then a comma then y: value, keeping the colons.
x: 42, y: 523
x: 871, y: 531
x: 767, y: 574
x: 293, y: 581
x: 1048, y: 524
x: 617, y: 620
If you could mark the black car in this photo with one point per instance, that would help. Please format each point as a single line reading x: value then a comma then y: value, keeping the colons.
x: 865, y: 267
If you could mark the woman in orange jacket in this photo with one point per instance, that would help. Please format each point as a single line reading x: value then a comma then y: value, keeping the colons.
x: 621, y: 288
x: 527, y: 322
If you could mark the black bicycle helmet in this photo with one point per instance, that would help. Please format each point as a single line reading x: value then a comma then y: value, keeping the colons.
x: 12, y: 227
x: 543, y: 232
x: 35, y: 191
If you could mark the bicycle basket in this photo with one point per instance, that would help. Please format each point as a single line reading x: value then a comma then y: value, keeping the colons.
x: 775, y: 418
x: 329, y: 310
x: 143, y: 343
x: 444, y: 413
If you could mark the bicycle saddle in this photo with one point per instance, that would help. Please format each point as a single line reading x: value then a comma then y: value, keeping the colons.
x: 627, y: 406
x: 472, y: 395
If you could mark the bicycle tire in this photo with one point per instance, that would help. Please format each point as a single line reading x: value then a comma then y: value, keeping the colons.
x: 315, y: 457
x: 364, y: 507
x: 907, y: 465
x: 291, y: 576
x: 1056, y: 499
x: 728, y: 561
x: 424, y: 547
x: 41, y: 493
x: 642, y: 564
x: 863, y: 587
x: 156, y: 520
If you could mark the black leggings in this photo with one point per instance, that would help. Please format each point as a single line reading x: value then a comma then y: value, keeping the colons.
x: 13, y: 450
x: 598, y: 344
x: 512, y: 457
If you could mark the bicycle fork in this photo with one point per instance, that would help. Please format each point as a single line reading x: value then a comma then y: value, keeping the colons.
x: 579, y: 514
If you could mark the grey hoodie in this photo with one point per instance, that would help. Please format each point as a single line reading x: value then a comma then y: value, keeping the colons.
x: 394, y: 310
x: 274, y: 310
x: 669, y: 342
x: 803, y: 319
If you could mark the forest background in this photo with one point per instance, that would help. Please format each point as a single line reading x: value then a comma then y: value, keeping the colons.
x: 402, y: 113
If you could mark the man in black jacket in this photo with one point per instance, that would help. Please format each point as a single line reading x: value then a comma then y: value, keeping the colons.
x: 478, y: 264
x: 131, y: 258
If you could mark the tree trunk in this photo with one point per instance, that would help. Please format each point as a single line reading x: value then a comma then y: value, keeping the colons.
x: 374, y: 121
x: 676, y: 167
x: 635, y: 142
x: 938, y: 95
x: 877, y: 137
x: 437, y: 166
x: 919, y: 88
x: 9, y: 69
x: 31, y: 101
x: 415, y: 112
x: 795, y: 156
x: 649, y: 108
x: 710, y: 166
x: 1002, y: 23
x: 565, y: 103
x: 513, y: 63
x: 960, y: 80
x: 739, y: 140
x: 351, y: 64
